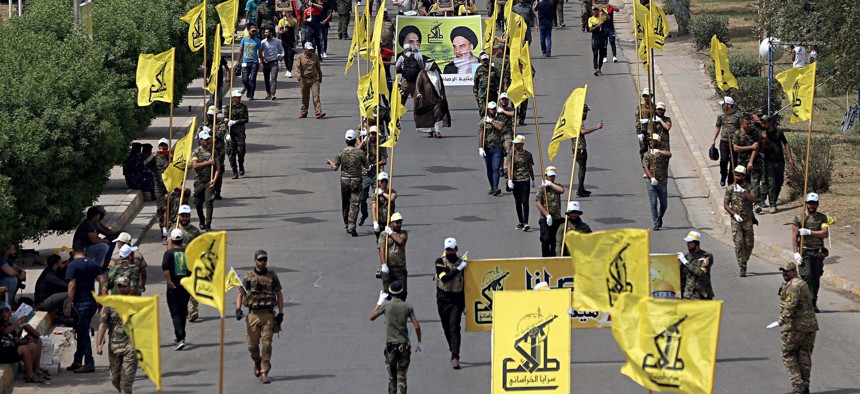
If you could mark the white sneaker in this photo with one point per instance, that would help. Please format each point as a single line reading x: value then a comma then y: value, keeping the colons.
x: 604, y: 60
x: 325, y: 55
x: 645, y: 176
x: 288, y: 74
x: 614, y: 59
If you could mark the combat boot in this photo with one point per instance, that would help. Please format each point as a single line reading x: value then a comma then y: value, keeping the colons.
x: 743, y: 273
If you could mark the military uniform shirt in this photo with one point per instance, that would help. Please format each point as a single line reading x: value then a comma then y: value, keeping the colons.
x: 351, y: 162
x: 745, y: 139
x: 202, y: 155
x: 382, y: 206
x: 492, y: 136
x: 189, y: 232
x: 396, y: 253
x: 479, y: 87
x: 117, y: 337
x: 262, y: 289
x: 643, y: 111
x: 396, y: 312
x: 580, y: 227
x: 239, y: 113
x: 523, y: 162
x: 733, y: 125
x: 308, y: 67
x: 507, y: 125
x: 663, y: 133
x: 553, y: 203
x: 658, y: 165
x: 697, y: 275
x: 796, y: 311
x: 369, y: 149
x: 813, y: 222
x: 738, y: 203
x: 130, y: 271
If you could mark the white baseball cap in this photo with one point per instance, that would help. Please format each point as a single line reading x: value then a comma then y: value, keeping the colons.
x: 727, y: 100
x: 204, y: 134
x: 363, y: 132
x: 519, y: 139
x: 396, y: 216
x: 350, y: 135
x: 309, y: 45
x: 236, y: 93
x: 550, y: 171
x: 741, y: 169
x: 573, y: 206
x: 484, y: 56
x: 176, y: 234
x: 491, y: 105
x: 812, y: 197
x: 692, y: 236
x: 661, y: 105
x: 164, y: 141
x: 123, y: 237
x: 541, y: 286
x: 211, y: 110
x: 646, y: 92
x: 504, y: 96
x: 126, y: 250
x: 374, y: 129
x: 64, y: 256
x: 382, y: 176
x: 183, y: 209
x: 450, y: 243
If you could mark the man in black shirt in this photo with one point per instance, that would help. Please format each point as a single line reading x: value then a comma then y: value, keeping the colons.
x: 175, y: 268
x: 51, y: 287
x: 546, y: 14
x: 775, y: 149
x: 88, y: 234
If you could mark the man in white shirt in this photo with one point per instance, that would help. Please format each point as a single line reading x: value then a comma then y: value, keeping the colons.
x: 273, y: 51
x: 798, y: 56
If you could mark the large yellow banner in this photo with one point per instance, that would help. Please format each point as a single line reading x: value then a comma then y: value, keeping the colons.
x: 155, y: 77
x: 799, y: 86
x: 207, y: 261
x: 140, y: 321
x: 484, y: 277
x: 227, y: 12
x: 175, y: 173
x: 569, y: 121
x: 196, y: 19
x: 531, y: 342
x: 608, y: 264
x: 720, y: 56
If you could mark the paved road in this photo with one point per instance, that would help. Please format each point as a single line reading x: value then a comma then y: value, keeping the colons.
x: 289, y: 205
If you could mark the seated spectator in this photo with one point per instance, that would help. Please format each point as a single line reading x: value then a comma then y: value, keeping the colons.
x: 88, y: 234
x: 13, y: 348
x: 131, y: 265
x: 52, y: 290
x: 11, y: 275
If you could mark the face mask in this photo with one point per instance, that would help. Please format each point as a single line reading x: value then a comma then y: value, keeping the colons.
x: 451, y: 258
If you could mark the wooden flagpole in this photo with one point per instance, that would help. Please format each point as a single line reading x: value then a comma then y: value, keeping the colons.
x: 806, y: 164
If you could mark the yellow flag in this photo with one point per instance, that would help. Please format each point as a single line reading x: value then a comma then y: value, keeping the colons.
x: 643, y: 53
x: 397, y: 111
x: 640, y: 16
x: 720, y: 56
x: 206, y: 256
x: 365, y: 94
x: 359, y: 39
x: 569, y: 121
x: 376, y: 41
x: 196, y: 19
x: 140, y: 320
x: 670, y: 345
x: 233, y: 281
x: 526, y: 72
x: 227, y: 12
x: 379, y: 71
x: 516, y: 90
x: 799, y: 86
x: 509, y: 7
x: 175, y: 172
x: 490, y: 29
x: 155, y: 77
x: 659, y: 28
x: 608, y: 264
x: 212, y: 81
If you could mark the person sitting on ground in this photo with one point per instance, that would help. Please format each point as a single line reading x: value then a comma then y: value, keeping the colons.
x: 52, y: 290
x: 13, y: 348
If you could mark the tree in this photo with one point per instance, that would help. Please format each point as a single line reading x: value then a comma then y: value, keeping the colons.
x: 681, y: 10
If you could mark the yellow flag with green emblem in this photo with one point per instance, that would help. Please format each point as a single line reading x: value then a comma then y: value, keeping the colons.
x: 720, y: 56
x: 569, y: 121
x: 206, y: 257
x: 397, y: 111
x: 175, y: 172
x: 155, y: 77
x: 227, y: 12
x: 799, y: 86
x: 670, y: 345
x: 607, y: 265
x: 212, y: 81
x: 140, y: 321
x: 196, y: 19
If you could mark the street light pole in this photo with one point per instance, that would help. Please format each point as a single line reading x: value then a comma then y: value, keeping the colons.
x: 769, y: 75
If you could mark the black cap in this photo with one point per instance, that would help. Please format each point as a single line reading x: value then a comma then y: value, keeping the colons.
x: 395, y: 288
x: 261, y: 254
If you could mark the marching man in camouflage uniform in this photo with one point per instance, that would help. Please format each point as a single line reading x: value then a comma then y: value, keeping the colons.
x: 746, y: 146
x: 548, y: 201
x: 393, y: 257
x: 369, y: 147
x: 203, y: 164
x: 344, y: 9
x: 738, y: 202
x: 159, y: 163
x: 236, y: 138
x: 352, y: 163
x: 398, y: 350
x: 264, y: 293
x: 574, y: 223
x: 808, y: 243
x: 798, y: 322
x: 644, y: 113
x: 655, y: 162
x: 221, y: 131
x: 696, y: 267
x: 380, y: 204
x: 485, y: 75
x: 121, y: 354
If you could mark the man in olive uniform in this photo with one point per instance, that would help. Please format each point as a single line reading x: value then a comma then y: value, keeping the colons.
x: 582, y: 155
x: 204, y: 163
x: 696, y: 267
x: 520, y: 175
x: 738, y: 202
x: 502, y: 65
x: 264, y: 293
x: 504, y: 107
x: 380, y: 204
x: 644, y: 113
x: 370, y: 146
x: 662, y: 125
x: 585, y: 13
x: 574, y: 223
x: 392, y: 253
x: 776, y: 148
x: 309, y: 74
x: 236, y: 138
x: 127, y: 268
x: 728, y: 123
x: 398, y: 350
x: 548, y: 201
x: 746, y: 144
x: 808, y: 243
x: 158, y: 163
x: 655, y: 162
x: 524, y: 9
x: 352, y: 163
x: 798, y: 323
x: 485, y: 82
x: 265, y: 16
x: 344, y: 10
x: 121, y: 354
x: 450, y: 296
x: 221, y: 131
x: 491, y: 146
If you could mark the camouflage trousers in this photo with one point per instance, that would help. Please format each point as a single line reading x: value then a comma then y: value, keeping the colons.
x: 797, y: 355
x: 236, y: 147
x: 744, y: 237
x: 757, y: 180
x: 204, y: 197
x: 160, y: 204
x: 260, y: 326
x: 507, y: 144
x: 811, y: 270
x: 343, y: 24
x: 397, y: 356
x: 123, y: 366
x: 193, y: 309
x: 350, y: 190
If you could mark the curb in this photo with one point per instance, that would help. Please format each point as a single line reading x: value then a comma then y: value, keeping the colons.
x: 715, y: 196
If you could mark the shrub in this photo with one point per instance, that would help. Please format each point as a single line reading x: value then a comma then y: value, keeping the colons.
x: 740, y: 66
x: 820, y: 165
x: 705, y: 26
x: 751, y: 95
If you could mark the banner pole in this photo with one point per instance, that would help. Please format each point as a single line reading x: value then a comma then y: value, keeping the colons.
x: 489, y: 79
x: 388, y: 211
x: 513, y: 148
x: 169, y: 160
x: 540, y: 147
x: 569, y: 192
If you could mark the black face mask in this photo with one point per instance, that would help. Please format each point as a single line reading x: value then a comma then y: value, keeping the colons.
x: 452, y: 258
x: 261, y: 272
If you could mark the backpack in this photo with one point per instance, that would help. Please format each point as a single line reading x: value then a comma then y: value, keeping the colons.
x: 410, y: 68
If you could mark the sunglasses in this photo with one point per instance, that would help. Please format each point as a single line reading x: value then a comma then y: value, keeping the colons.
x: 264, y: 259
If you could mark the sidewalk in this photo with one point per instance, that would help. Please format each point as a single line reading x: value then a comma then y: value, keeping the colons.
x: 682, y: 83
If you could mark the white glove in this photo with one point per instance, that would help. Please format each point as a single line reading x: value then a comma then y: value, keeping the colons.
x: 244, y: 64
x: 773, y: 325
x: 739, y: 189
x: 805, y: 232
x: 643, y: 121
x: 388, y: 230
x: 549, y: 220
x: 656, y: 118
x: 384, y: 268
x: 230, y: 123
x: 376, y: 226
x: 164, y: 232
x: 379, y: 192
x: 419, y: 349
x: 641, y: 137
x: 682, y: 259
x: 488, y: 119
x: 570, y: 311
x: 462, y: 266
x: 510, y: 184
x: 481, y: 152
x: 547, y: 183
x: 653, y: 181
x: 227, y: 137
x: 655, y: 152
x: 798, y: 258
x: 382, y: 296
x: 738, y: 218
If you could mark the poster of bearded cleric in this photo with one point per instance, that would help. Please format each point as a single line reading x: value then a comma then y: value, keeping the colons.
x: 454, y: 43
